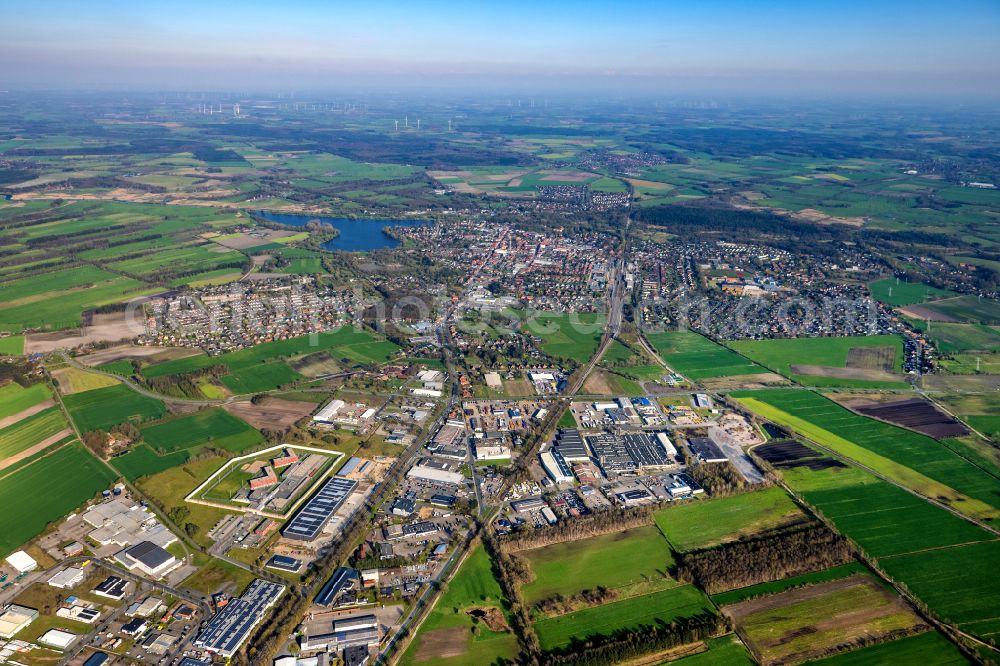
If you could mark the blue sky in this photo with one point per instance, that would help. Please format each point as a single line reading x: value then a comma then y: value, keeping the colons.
x: 775, y: 45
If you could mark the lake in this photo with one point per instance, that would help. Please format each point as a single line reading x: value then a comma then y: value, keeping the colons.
x: 355, y: 235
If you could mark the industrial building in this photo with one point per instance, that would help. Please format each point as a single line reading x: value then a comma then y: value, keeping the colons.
x: 284, y: 563
x: 113, y: 587
x: 57, y: 638
x: 555, y: 466
x: 570, y: 444
x: 706, y: 450
x: 611, y: 454
x: 22, y: 562
x: 343, y: 578
x: 436, y: 471
x: 313, y: 517
x: 67, y: 578
x: 648, y: 451
x: 230, y: 627
x: 148, y: 558
x: 14, y: 618
x: 358, y: 630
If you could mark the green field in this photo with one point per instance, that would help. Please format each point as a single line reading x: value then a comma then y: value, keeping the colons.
x: 143, y: 461
x: 952, y: 338
x: 12, y: 345
x: 905, y: 293
x: 257, y: 378
x: 573, y: 336
x: 662, y: 606
x: 703, y: 523
x: 911, y: 459
x: 46, y: 491
x: 780, y: 354
x: 728, y: 650
x: 927, y: 649
x: 959, y: 584
x: 826, y: 618
x: 474, y: 586
x: 616, y: 560
x: 214, y: 427
x: 14, y: 398
x: 696, y: 357
x: 28, y: 432
x: 881, y: 518
x: 347, y: 344
x: 969, y: 309
x: 99, y: 409
x: 773, y: 587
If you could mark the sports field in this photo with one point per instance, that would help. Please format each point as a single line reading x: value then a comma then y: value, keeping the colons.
x: 875, y: 359
x: 447, y: 638
x: 636, y: 558
x: 662, y: 606
x: 911, y: 459
x: 47, y: 490
x: 102, y: 408
x: 703, y: 523
x: 896, y: 292
x: 215, y: 427
x: 696, y: 357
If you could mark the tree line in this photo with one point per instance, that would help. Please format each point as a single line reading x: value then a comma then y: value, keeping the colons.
x: 767, y: 557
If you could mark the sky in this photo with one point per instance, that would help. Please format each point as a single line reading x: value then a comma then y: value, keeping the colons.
x: 813, y: 46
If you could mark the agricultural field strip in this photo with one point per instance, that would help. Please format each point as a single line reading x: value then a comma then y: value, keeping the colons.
x: 195, y: 496
x: 940, y: 463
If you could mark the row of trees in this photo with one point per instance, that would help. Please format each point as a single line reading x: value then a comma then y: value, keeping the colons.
x: 771, y: 556
x: 583, y: 527
x: 635, y: 642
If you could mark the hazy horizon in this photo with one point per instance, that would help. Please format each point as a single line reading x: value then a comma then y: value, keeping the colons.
x: 780, y: 47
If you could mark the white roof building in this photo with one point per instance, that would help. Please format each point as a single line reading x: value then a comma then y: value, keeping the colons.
x: 15, y: 618
x: 66, y: 578
x: 22, y: 562
x: 57, y: 638
x: 327, y: 414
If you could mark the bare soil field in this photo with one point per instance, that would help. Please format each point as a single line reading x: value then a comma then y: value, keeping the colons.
x: 847, y: 373
x: 273, y: 413
x: 442, y: 644
x: 103, y: 328
x: 785, y: 454
x: 913, y: 413
x: 920, y: 312
x: 597, y: 383
x: 759, y: 380
x: 962, y: 383
x: 871, y: 358
x: 129, y: 352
